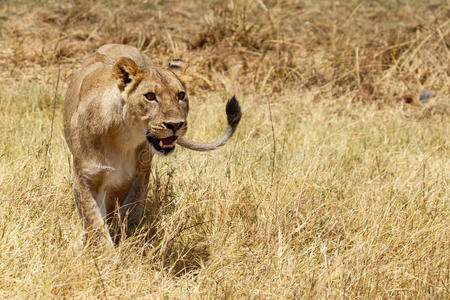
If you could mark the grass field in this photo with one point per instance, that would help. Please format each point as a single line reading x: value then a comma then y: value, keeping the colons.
x: 336, y: 184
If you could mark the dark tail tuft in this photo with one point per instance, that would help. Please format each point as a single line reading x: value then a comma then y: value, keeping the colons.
x: 233, y: 110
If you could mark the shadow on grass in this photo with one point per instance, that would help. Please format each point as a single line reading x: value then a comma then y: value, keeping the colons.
x: 172, y: 234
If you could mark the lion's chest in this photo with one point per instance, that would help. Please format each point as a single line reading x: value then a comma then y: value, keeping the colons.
x: 118, y: 180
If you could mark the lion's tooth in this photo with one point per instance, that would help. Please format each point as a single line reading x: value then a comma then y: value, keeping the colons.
x: 161, y: 144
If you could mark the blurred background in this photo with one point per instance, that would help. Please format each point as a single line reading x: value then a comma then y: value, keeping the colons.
x: 381, y: 50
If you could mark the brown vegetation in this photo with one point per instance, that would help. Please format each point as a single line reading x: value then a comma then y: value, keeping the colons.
x: 345, y: 196
x: 373, y: 50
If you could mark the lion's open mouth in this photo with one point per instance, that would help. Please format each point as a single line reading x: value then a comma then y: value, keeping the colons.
x: 165, y: 145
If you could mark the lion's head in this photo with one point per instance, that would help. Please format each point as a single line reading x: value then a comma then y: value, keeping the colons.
x: 155, y: 100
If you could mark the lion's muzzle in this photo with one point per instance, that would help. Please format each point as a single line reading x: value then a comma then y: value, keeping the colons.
x: 165, y: 145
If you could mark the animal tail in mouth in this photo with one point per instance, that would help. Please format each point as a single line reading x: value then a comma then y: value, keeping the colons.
x: 234, y: 114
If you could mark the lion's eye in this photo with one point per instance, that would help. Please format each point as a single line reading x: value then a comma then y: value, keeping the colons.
x: 150, y: 96
x: 181, y: 96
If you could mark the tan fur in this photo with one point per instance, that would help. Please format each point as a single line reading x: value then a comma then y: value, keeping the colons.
x: 105, y: 123
x: 110, y: 125
x: 107, y: 119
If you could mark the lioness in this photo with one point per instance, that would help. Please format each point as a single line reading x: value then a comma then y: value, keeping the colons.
x: 120, y: 110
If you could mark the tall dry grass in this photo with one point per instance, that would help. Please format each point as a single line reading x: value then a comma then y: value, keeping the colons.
x: 347, y: 196
x: 366, y: 50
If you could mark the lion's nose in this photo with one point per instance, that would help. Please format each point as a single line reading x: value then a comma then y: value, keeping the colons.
x: 173, y: 125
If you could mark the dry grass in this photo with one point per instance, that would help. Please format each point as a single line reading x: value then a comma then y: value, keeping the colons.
x: 370, y: 50
x: 358, y: 204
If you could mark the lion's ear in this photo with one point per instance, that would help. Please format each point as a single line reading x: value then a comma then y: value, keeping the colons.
x: 126, y: 71
x: 178, y: 66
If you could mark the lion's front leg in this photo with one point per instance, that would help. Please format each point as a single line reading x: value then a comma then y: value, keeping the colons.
x: 93, y: 220
x: 133, y: 206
